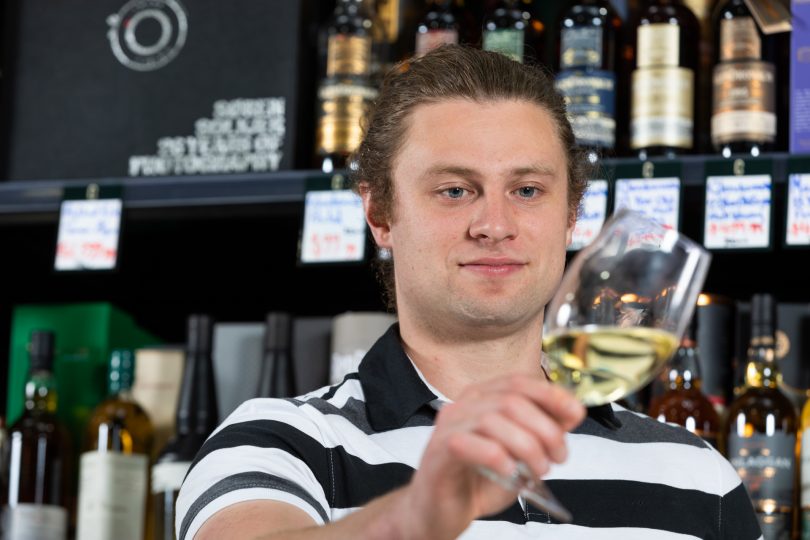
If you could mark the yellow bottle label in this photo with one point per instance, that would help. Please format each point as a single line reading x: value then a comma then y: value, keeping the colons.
x: 343, y: 107
x: 663, y: 112
x: 348, y: 55
x: 388, y: 15
x: 658, y: 45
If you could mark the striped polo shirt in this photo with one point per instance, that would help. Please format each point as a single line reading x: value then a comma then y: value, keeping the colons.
x: 332, y: 451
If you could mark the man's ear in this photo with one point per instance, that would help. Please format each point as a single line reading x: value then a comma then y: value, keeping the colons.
x: 379, y: 229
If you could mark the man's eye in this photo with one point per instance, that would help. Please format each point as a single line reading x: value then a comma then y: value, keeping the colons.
x: 528, y: 192
x: 455, y: 192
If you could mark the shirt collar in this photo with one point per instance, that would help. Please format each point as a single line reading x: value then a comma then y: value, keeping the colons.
x: 395, y: 389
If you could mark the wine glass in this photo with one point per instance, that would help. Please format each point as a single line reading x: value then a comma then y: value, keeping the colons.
x: 620, y: 311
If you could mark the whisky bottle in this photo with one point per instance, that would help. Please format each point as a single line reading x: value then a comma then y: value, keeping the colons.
x: 195, y: 420
x: 760, y: 429
x: 510, y: 29
x: 345, y: 91
x: 438, y: 26
x: 586, y: 66
x: 664, y: 80
x: 277, y: 378
x: 114, y: 468
x: 683, y: 402
x: 744, y: 81
x: 36, y: 504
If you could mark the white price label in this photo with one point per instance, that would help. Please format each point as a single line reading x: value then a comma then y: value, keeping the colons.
x: 738, y: 212
x: 658, y: 199
x: 334, y: 227
x: 592, y: 214
x: 88, y: 234
x: 798, y: 216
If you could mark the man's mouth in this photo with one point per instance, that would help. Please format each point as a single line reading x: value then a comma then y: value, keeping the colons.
x: 494, y: 266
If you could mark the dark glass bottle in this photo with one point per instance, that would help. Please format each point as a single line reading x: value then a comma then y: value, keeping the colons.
x: 586, y: 66
x: 346, y: 88
x: 398, y: 19
x: 510, y: 29
x: 438, y: 26
x: 277, y: 377
x: 196, y: 419
x: 744, y: 83
x: 760, y: 429
x: 36, y: 501
x: 664, y: 80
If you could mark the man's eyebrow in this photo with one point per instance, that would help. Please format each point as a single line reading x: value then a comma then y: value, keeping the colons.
x: 457, y: 170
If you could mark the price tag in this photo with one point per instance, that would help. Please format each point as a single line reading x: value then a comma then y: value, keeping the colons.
x: 658, y: 199
x: 89, y: 232
x: 738, y: 212
x: 798, y: 213
x: 592, y: 214
x: 334, y: 227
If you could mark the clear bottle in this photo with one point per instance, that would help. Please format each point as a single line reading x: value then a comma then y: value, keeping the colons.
x: 36, y: 500
x: 114, y: 468
x: 663, y: 83
x: 760, y: 429
x: 196, y: 419
x: 438, y: 26
x: 510, y: 29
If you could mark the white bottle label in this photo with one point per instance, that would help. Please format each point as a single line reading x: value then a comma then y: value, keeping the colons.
x: 35, y: 522
x: 112, y: 496
x: 169, y: 476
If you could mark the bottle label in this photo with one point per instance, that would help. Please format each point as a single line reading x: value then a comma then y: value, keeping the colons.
x: 389, y: 17
x: 581, y: 47
x: 766, y: 466
x: 744, y: 102
x: 35, y: 522
x: 348, y: 55
x: 169, y: 476
x: 658, y: 45
x: 662, y: 107
x: 507, y: 41
x: 433, y: 39
x: 343, y: 105
x: 112, y: 496
x: 590, y: 98
x: 739, y: 39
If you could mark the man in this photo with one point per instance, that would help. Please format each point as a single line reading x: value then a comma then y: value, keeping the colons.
x: 471, y: 179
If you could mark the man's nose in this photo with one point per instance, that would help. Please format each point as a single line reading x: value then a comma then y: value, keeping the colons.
x: 493, y: 218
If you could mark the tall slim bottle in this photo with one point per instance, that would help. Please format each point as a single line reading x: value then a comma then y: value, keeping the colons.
x: 663, y: 82
x: 196, y: 419
x: 277, y: 378
x: 760, y: 429
x: 114, y: 468
x: 36, y: 501
x: 510, y: 29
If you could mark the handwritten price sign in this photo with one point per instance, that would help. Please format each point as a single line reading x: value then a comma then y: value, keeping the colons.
x: 798, y: 217
x: 88, y: 234
x: 334, y: 227
x: 591, y: 215
x: 658, y: 199
x: 738, y: 212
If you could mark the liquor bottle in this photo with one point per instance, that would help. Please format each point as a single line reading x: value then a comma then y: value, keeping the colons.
x: 195, y: 420
x: 510, y: 29
x: 683, y: 402
x: 346, y: 88
x: 36, y: 503
x: 586, y: 66
x: 398, y: 20
x: 760, y: 429
x: 664, y: 80
x: 437, y: 27
x: 277, y: 377
x: 114, y: 468
x: 744, y: 106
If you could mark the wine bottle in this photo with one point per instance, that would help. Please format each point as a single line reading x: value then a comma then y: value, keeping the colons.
x: 277, y: 377
x: 438, y: 26
x: 114, y: 468
x: 196, y: 419
x: 683, y: 402
x: 36, y: 504
x: 760, y: 429
x: 586, y: 66
x: 510, y: 29
x: 345, y: 90
x: 664, y: 80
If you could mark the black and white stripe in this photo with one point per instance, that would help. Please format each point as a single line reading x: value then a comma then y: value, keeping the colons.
x: 332, y: 451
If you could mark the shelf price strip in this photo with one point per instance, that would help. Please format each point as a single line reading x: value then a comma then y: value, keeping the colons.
x: 88, y: 236
x: 798, y: 216
x: 658, y: 199
x: 738, y: 212
x: 334, y: 227
x: 592, y: 214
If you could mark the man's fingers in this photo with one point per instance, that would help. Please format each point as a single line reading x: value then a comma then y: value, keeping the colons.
x: 546, y: 430
x: 521, y: 444
x: 478, y: 451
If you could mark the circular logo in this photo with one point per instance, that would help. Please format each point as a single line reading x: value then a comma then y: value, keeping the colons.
x: 145, y: 35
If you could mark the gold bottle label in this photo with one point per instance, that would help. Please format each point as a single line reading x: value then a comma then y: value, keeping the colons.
x: 343, y: 107
x: 348, y: 55
x: 744, y: 102
x: 739, y: 39
x: 388, y: 16
x: 658, y: 45
x: 663, y: 112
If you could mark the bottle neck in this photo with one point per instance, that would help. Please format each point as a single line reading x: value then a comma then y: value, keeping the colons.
x: 684, y: 371
x: 762, y: 370
x: 40, y: 392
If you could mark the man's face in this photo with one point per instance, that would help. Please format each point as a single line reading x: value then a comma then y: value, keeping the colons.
x: 481, y: 218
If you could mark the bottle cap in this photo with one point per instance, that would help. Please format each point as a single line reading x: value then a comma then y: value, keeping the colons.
x: 41, y: 349
x: 763, y: 315
x: 199, y: 333
x: 277, y: 331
